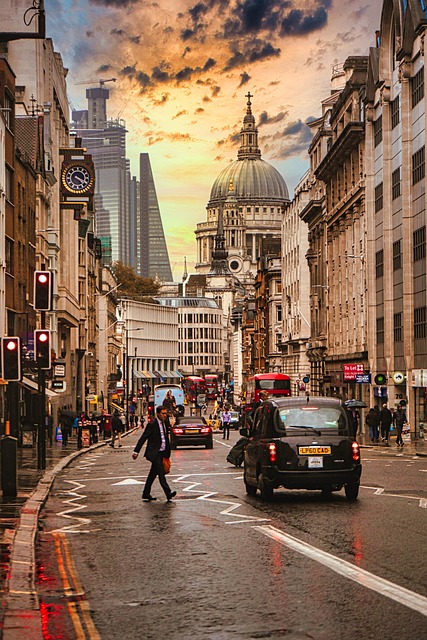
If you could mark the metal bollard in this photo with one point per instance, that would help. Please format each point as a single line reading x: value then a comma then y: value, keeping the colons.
x: 9, y: 473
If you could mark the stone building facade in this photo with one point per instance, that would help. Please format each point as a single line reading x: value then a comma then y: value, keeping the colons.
x: 396, y: 208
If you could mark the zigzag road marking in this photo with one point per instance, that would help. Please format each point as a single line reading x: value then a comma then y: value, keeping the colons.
x: 70, y: 513
x: 231, y: 506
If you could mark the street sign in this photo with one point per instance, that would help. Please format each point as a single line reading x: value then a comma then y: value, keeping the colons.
x: 398, y: 377
x: 350, y: 370
x: 363, y: 378
x: 306, y: 379
x: 58, y: 385
x: 59, y: 371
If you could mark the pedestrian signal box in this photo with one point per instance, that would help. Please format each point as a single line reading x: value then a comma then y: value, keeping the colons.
x: 43, y: 290
x: 42, y: 348
x: 11, y: 358
x: 380, y: 379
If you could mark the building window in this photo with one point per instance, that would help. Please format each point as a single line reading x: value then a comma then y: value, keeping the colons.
x: 9, y: 256
x: 397, y: 255
x: 420, y: 323
x: 397, y: 327
x: 417, y: 87
x: 279, y: 313
x: 418, y: 165
x: 419, y: 240
x: 380, y: 330
x: 395, y: 112
x: 395, y: 184
x: 378, y: 131
x: 378, y: 197
x: 379, y: 263
x: 9, y: 184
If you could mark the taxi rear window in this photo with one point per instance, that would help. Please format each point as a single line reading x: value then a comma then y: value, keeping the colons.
x: 312, y: 416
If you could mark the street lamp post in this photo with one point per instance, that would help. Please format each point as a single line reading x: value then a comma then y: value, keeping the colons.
x: 126, y: 363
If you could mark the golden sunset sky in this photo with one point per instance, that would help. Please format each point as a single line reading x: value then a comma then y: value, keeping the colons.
x: 183, y: 69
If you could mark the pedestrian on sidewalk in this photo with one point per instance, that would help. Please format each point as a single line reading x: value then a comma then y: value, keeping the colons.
x: 399, y: 419
x: 116, y: 428
x: 158, y: 447
x: 373, y: 422
x: 226, y: 420
x: 386, y: 419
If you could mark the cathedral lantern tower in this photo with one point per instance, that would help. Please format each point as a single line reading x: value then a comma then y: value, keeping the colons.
x: 248, y: 196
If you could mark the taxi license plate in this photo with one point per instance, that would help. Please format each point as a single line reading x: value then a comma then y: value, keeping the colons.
x: 314, y: 451
x: 315, y: 462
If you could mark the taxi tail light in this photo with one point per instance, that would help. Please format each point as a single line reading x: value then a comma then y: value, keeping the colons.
x: 205, y: 430
x: 272, y: 452
x: 355, y: 451
x: 177, y: 430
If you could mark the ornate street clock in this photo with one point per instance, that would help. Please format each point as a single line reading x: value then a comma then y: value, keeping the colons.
x: 77, y: 178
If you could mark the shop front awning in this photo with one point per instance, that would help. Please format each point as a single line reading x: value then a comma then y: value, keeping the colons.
x: 156, y: 375
x: 145, y: 375
x: 33, y: 386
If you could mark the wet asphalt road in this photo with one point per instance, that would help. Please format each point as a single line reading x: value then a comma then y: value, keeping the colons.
x: 217, y: 564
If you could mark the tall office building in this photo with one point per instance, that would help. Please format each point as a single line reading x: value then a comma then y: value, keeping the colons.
x: 106, y: 141
x: 153, y: 257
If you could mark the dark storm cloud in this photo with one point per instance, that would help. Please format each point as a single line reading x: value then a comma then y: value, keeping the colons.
x: 255, y: 51
x: 119, y: 4
x: 300, y: 23
x: 244, y: 78
x: 158, y: 74
x: 103, y: 68
x: 129, y: 71
x: 215, y: 91
x: 297, y: 128
x: 117, y: 32
x: 266, y: 119
x: 293, y: 140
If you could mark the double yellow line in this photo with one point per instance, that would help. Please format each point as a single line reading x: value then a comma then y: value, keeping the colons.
x: 78, y: 606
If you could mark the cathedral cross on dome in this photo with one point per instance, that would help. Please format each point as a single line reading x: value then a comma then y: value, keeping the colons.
x: 249, y: 96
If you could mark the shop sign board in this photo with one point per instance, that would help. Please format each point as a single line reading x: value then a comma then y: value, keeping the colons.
x: 351, y: 370
x: 419, y: 377
x: 363, y: 378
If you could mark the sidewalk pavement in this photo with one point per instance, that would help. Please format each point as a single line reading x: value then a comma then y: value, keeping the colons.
x: 412, y: 448
x: 19, y: 606
x: 20, y: 615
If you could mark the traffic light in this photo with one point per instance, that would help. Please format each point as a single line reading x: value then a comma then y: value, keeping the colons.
x: 11, y: 358
x: 380, y: 379
x: 42, y: 348
x: 43, y: 290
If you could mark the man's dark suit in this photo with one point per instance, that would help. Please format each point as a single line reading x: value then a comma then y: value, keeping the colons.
x: 153, y: 438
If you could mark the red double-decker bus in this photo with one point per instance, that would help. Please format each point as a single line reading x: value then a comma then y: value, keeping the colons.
x: 194, y: 386
x: 211, y: 386
x: 276, y: 384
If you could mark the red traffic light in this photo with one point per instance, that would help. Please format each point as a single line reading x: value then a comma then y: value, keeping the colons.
x: 43, y: 290
x: 42, y: 348
x: 11, y: 358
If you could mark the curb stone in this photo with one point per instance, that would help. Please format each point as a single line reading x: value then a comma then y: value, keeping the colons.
x: 22, y: 608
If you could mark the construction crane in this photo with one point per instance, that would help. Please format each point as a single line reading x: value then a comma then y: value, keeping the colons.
x: 101, y: 82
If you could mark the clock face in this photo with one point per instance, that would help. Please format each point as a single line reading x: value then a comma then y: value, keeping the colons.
x: 77, y: 178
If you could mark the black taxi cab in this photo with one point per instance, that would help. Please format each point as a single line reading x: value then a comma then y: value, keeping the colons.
x: 302, y: 443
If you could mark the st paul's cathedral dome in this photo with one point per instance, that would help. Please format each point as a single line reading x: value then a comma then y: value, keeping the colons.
x: 246, y: 201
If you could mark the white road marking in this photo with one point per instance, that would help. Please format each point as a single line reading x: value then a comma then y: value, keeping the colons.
x: 423, y: 503
x: 207, y: 496
x: 378, y: 491
x: 128, y: 481
x: 364, y: 578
